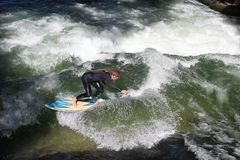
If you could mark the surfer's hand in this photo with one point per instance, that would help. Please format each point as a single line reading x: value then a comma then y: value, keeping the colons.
x: 124, y: 91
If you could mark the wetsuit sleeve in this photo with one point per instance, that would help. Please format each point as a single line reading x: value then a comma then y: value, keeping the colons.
x: 109, y: 82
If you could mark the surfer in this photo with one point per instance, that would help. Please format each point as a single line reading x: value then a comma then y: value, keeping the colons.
x: 97, y: 78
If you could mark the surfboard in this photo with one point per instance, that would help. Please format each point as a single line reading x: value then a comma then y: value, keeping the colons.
x: 69, y: 104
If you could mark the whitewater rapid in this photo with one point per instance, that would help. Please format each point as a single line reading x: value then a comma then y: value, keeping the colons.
x: 41, y: 43
x: 192, y: 31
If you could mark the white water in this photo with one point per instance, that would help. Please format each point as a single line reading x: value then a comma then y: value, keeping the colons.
x: 119, y: 136
x: 50, y: 40
x: 18, y: 110
x: 193, y: 32
x: 45, y: 42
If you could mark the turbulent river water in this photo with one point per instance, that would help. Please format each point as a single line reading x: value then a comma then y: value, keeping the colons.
x: 179, y: 60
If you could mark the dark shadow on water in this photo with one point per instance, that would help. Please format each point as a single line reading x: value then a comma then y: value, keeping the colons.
x: 169, y: 149
x: 24, y: 135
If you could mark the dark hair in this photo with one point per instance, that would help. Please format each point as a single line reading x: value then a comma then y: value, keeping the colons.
x: 111, y: 71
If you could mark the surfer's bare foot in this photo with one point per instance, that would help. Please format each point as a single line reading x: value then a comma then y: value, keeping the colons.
x: 74, y: 102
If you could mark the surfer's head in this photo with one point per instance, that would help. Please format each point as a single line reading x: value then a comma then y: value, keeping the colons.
x: 114, y: 73
x: 114, y: 77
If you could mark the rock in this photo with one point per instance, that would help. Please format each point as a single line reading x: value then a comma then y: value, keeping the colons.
x: 230, y: 7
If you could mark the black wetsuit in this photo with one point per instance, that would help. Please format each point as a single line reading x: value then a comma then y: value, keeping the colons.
x: 95, y: 79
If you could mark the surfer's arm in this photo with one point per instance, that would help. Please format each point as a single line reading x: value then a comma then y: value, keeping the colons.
x: 110, y: 83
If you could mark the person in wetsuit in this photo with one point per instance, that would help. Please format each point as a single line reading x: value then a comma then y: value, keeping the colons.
x: 98, y: 77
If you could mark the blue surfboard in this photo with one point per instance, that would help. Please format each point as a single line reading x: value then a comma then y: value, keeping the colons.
x: 69, y: 104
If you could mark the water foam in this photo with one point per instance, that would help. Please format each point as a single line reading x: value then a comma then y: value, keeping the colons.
x: 209, y: 87
x: 22, y: 107
x: 94, y: 12
x: 17, y: 111
x: 118, y: 136
x: 200, y: 152
x: 46, y: 42
x: 193, y: 31
x: 185, y: 38
x: 227, y: 59
x: 161, y: 70
x: 216, y: 151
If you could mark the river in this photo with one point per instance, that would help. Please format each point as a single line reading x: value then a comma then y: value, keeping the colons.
x: 179, y: 60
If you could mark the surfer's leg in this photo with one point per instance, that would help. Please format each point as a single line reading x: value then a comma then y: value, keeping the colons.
x: 99, y: 88
x: 88, y: 91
